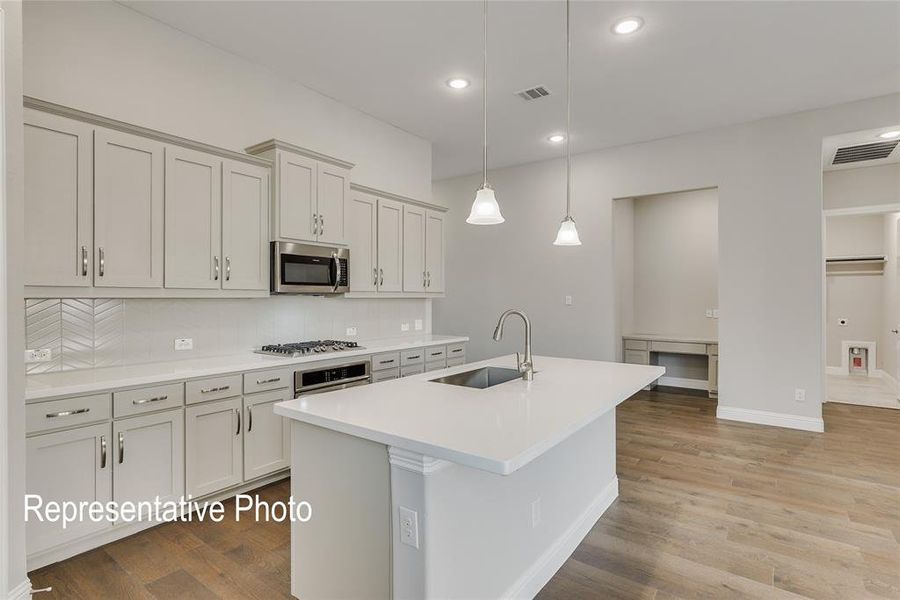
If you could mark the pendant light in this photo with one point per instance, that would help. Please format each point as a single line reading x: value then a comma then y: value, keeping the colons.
x: 485, y: 210
x: 568, y: 234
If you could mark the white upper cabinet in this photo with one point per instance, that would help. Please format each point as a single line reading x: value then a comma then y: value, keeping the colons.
x: 193, y: 219
x: 390, y: 246
x: 413, y: 249
x: 361, y: 228
x: 434, y: 251
x: 128, y: 210
x: 295, y: 203
x: 333, y: 190
x: 58, y: 201
x: 245, y: 226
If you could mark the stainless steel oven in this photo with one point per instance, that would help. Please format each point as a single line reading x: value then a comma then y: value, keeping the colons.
x: 331, y: 376
x: 308, y: 269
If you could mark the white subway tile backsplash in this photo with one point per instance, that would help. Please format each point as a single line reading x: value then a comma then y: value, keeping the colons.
x: 100, y: 333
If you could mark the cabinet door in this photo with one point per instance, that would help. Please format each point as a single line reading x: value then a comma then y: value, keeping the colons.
x: 333, y: 191
x: 73, y: 465
x: 713, y: 374
x: 193, y: 219
x: 295, y: 198
x: 362, y: 221
x: 149, y: 457
x: 128, y: 210
x: 267, y: 436
x: 213, y: 447
x: 390, y: 246
x: 245, y: 223
x: 413, y: 249
x: 434, y: 251
x: 59, y: 176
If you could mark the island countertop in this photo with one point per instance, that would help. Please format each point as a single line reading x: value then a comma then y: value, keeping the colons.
x: 498, y: 429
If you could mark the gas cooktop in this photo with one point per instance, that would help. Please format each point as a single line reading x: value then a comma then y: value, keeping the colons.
x: 304, y: 348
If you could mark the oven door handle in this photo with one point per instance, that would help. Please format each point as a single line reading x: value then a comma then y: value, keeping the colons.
x: 337, y: 271
x: 327, y: 387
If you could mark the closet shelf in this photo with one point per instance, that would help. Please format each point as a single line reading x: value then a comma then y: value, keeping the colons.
x: 855, y: 265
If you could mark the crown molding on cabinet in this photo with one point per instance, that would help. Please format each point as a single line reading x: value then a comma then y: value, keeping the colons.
x: 397, y: 197
x: 84, y: 116
x: 281, y: 145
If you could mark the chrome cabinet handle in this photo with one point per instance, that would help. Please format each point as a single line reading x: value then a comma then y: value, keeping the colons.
x: 102, y: 451
x: 424, y: 280
x: 429, y: 279
x: 416, y: 357
x: 385, y: 362
x: 455, y: 350
x: 121, y: 447
x: 227, y: 268
x: 215, y: 389
x: 337, y: 271
x: 315, y: 224
x: 102, y: 266
x: 68, y: 413
x: 216, y: 259
x: 375, y: 273
x: 249, y: 419
x: 272, y: 380
x: 895, y: 330
x: 381, y: 279
x: 436, y: 353
x: 238, y: 430
x: 321, y: 225
x: 148, y: 400
x: 84, y: 264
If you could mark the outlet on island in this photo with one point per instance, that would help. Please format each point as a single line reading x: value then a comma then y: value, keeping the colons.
x: 184, y: 343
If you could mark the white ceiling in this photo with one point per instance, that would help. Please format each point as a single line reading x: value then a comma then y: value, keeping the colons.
x: 695, y: 65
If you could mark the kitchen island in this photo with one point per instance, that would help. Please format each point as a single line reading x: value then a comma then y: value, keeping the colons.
x: 423, y: 489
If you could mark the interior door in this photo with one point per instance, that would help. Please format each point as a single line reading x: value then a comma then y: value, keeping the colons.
x: 73, y: 465
x: 193, y: 235
x: 213, y: 447
x: 390, y: 246
x: 58, y: 200
x: 434, y: 251
x: 245, y: 222
x: 267, y: 437
x: 413, y: 249
x: 296, y: 197
x: 333, y: 191
x: 128, y: 210
x: 362, y: 236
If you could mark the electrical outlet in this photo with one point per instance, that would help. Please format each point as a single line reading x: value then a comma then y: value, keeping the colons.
x: 184, y: 343
x: 568, y: 300
x: 715, y: 313
x: 709, y: 313
x: 799, y: 395
x: 843, y: 322
x: 39, y: 355
x: 535, y: 513
x: 409, y: 527
x: 418, y: 324
x: 404, y: 326
x: 351, y: 332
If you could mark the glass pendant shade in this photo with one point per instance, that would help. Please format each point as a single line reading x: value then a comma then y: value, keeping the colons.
x: 485, y: 210
x: 567, y: 234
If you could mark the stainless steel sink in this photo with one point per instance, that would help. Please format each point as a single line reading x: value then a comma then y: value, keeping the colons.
x: 482, y: 378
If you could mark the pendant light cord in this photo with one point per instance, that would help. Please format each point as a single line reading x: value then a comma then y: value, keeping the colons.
x: 484, y: 97
x: 568, y: 118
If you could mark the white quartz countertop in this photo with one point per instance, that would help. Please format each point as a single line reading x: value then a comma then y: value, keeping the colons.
x: 499, y: 429
x: 88, y: 381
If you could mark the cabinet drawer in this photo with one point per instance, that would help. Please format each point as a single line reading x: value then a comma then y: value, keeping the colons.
x: 388, y: 360
x: 412, y: 369
x: 435, y: 365
x: 213, y: 388
x: 385, y: 374
x: 678, y: 347
x: 712, y: 349
x: 635, y: 344
x: 455, y: 362
x: 261, y: 381
x: 435, y: 354
x: 67, y: 412
x: 412, y: 357
x: 456, y: 350
x: 148, y: 399
x: 637, y: 357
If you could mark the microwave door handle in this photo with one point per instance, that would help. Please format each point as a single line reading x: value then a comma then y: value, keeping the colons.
x: 337, y: 271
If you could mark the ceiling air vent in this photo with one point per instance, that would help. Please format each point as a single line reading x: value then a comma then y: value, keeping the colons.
x: 851, y: 154
x: 534, y: 93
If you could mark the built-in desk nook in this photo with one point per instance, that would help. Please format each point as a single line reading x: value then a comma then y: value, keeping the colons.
x: 638, y: 349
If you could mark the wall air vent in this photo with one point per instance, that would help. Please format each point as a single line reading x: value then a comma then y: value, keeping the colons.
x: 535, y: 93
x: 851, y: 154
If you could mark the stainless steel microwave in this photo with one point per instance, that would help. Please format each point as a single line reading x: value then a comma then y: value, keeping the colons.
x: 308, y: 269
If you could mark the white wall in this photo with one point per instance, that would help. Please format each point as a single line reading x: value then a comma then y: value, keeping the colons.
x: 889, y: 355
x: 867, y: 186
x: 769, y: 178
x: 854, y: 235
x: 108, y: 59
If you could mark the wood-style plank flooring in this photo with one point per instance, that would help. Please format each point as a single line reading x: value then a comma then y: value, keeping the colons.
x: 707, y: 509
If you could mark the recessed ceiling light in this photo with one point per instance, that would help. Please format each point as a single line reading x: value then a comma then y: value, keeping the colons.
x: 627, y: 25
x: 457, y: 83
x: 556, y: 138
x: 890, y: 135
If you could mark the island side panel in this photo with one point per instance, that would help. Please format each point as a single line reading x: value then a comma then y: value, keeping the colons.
x: 479, y: 528
x: 344, y: 551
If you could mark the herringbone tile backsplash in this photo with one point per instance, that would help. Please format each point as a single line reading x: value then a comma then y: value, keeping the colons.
x: 80, y: 334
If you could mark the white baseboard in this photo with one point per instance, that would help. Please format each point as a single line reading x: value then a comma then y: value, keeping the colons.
x: 681, y: 382
x: 546, y: 566
x: 764, y: 417
x: 21, y: 591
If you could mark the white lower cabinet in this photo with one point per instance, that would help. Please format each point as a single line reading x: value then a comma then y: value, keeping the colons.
x: 267, y: 436
x: 213, y: 447
x: 149, y: 457
x: 73, y: 465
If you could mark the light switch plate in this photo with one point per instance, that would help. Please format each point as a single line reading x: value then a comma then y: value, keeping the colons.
x: 409, y: 527
x: 568, y: 300
x: 38, y: 355
x: 404, y: 326
x: 418, y: 324
x: 184, y: 343
x: 709, y: 313
x: 800, y: 395
x: 351, y: 332
x: 715, y: 313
